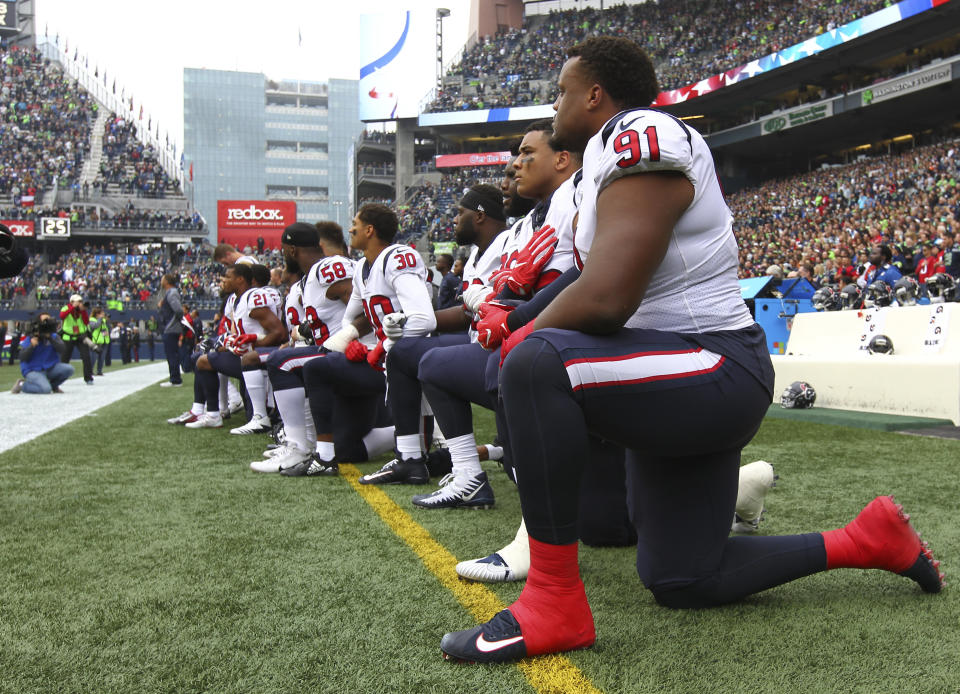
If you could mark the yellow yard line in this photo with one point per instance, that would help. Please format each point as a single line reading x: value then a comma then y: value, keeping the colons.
x: 547, y: 674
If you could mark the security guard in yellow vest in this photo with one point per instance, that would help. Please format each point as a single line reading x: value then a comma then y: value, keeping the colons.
x: 100, y: 334
x: 75, y: 331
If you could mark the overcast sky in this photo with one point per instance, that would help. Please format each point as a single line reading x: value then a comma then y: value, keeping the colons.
x: 147, y: 45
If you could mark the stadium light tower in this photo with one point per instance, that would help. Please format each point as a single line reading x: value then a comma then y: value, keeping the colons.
x: 441, y: 13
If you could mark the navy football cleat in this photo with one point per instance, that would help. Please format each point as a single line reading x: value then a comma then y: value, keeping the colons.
x: 497, y: 641
x: 474, y: 492
x: 413, y: 471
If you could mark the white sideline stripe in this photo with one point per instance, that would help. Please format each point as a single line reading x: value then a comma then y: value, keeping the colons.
x: 27, y: 417
x: 640, y: 368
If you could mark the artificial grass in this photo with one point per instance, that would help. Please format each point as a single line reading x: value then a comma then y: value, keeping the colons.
x: 139, y: 556
x: 9, y: 373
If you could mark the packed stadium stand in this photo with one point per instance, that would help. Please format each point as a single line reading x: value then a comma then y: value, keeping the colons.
x: 687, y: 40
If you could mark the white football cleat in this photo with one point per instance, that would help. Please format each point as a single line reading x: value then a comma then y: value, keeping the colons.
x: 512, y: 563
x: 185, y: 418
x: 756, y: 479
x: 256, y: 425
x: 291, y: 457
x: 235, y: 406
x: 207, y: 420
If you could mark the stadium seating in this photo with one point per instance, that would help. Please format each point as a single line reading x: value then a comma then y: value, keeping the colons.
x: 687, y: 40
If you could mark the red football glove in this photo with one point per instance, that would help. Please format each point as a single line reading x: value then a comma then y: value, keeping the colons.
x: 514, y: 339
x: 522, y: 277
x: 356, y: 351
x: 492, y: 324
x: 241, y: 344
x: 376, y: 356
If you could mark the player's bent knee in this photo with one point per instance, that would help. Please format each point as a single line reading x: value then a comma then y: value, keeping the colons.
x: 688, y: 596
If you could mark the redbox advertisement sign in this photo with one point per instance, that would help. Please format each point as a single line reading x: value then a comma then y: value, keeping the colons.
x: 442, y: 161
x: 18, y: 227
x: 255, y: 214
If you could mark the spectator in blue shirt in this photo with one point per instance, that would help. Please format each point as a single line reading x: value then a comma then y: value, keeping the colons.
x: 40, y: 359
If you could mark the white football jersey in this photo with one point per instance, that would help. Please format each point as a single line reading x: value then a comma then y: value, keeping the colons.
x: 373, y: 285
x: 325, y: 314
x: 293, y: 308
x: 228, y: 307
x: 477, y: 270
x: 695, y: 287
x: 558, y: 212
x: 251, y: 300
x: 275, y: 300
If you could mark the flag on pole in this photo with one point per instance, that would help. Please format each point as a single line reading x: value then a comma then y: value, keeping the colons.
x: 141, y: 112
x: 191, y: 171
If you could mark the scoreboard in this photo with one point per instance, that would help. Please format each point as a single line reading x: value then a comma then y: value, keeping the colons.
x: 54, y: 228
x: 8, y: 18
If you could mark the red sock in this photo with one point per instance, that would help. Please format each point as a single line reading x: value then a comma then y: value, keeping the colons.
x: 552, y: 609
x: 880, y: 537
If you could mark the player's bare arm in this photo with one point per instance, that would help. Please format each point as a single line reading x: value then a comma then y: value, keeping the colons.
x: 276, y: 331
x: 635, y: 219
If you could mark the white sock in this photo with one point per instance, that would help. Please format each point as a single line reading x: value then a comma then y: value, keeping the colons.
x: 224, y: 394
x: 197, y: 409
x: 232, y: 393
x: 308, y: 424
x: 290, y: 404
x: 463, y: 455
x: 494, y: 452
x: 378, y: 441
x: 270, y: 400
x: 257, y: 392
x: 517, y: 553
x: 409, y: 446
x: 325, y: 450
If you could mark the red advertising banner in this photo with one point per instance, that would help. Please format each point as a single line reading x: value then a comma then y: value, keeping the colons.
x: 18, y: 227
x: 242, y: 222
x: 477, y: 159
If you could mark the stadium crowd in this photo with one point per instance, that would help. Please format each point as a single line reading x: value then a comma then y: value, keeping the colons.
x: 805, y: 225
x: 687, y: 40
x: 130, y: 164
x: 45, y: 121
x: 93, y: 217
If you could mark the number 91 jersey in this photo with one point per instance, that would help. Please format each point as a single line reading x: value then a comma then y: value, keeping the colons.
x: 325, y: 315
x: 375, y: 283
x: 694, y: 289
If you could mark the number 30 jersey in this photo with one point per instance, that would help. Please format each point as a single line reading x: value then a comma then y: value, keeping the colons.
x: 325, y: 315
x: 395, y: 281
x: 695, y: 287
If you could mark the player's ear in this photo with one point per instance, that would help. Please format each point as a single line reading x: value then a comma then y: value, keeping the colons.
x: 594, y: 97
x: 561, y: 160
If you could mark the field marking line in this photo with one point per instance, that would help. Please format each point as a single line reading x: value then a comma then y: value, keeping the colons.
x: 548, y: 675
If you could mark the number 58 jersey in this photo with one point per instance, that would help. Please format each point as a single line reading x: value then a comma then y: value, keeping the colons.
x: 325, y: 315
x: 694, y: 289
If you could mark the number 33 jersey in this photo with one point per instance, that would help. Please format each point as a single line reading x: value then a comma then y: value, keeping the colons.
x: 694, y: 289
x: 325, y: 315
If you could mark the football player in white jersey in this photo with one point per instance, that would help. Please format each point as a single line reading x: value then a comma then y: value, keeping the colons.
x: 389, y: 279
x: 675, y: 370
x: 255, y: 324
x: 481, y: 223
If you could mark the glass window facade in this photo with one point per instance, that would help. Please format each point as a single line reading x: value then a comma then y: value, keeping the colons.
x: 250, y: 138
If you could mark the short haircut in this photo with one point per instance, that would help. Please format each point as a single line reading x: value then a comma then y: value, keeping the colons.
x: 244, y: 271
x: 621, y: 68
x: 331, y: 232
x: 545, y: 126
x: 381, y: 218
x: 221, y: 250
x: 885, y: 252
x: 514, y: 147
x: 170, y: 279
x: 261, y: 275
x: 447, y: 257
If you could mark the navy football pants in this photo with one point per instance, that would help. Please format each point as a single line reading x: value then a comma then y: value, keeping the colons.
x: 684, y: 414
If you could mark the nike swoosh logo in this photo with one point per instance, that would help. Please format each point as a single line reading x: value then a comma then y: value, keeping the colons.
x: 485, y: 646
x: 623, y: 126
x: 469, y: 497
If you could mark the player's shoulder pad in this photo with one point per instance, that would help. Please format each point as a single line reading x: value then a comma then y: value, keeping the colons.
x: 642, y: 140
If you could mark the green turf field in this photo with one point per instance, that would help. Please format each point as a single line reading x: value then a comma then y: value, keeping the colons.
x: 136, y: 556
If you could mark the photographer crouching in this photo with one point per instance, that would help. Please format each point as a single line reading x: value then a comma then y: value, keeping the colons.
x: 40, y: 358
x: 75, y: 331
